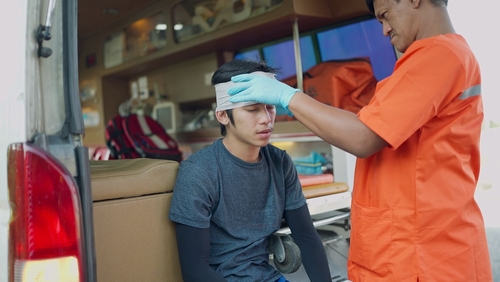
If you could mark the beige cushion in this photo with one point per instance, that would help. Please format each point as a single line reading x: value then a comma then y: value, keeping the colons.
x: 130, y: 178
x: 134, y: 239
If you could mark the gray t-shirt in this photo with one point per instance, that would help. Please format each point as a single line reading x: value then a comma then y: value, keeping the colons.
x: 242, y: 203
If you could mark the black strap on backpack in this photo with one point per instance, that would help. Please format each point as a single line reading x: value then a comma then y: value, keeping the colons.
x: 117, y: 136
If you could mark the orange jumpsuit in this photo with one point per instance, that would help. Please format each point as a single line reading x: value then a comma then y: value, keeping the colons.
x: 414, y: 217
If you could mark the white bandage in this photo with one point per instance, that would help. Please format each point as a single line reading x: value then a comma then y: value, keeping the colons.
x: 222, y: 96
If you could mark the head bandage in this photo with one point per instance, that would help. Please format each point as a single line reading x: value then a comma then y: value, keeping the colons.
x: 222, y: 96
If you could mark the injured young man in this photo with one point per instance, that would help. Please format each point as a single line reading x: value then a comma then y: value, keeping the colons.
x: 232, y: 195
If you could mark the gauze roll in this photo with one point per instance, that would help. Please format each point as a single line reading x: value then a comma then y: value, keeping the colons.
x: 222, y: 96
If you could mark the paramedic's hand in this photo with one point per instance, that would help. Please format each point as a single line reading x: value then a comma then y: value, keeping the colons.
x: 251, y: 87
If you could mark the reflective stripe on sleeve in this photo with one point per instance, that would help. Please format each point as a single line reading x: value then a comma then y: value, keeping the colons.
x: 471, y: 92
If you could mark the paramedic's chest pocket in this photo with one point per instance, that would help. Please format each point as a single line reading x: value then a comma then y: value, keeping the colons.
x: 371, y: 237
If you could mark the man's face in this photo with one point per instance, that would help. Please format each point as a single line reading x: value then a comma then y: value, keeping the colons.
x: 398, y: 21
x: 253, y: 125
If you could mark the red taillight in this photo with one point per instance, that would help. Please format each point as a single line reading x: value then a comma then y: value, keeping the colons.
x: 45, y: 233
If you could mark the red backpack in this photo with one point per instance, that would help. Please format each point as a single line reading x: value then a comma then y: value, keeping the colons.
x: 139, y: 136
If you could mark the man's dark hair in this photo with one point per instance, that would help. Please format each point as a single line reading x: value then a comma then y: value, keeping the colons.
x: 436, y: 3
x: 235, y: 67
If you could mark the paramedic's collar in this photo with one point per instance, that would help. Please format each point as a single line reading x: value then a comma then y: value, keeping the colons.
x: 222, y: 96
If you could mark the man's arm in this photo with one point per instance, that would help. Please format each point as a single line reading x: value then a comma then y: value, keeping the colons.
x: 193, y: 245
x: 306, y: 237
x: 338, y: 127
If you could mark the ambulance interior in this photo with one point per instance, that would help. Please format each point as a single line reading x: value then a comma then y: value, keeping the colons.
x: 156, y: 58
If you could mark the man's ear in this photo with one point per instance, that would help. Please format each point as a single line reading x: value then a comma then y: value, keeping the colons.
x: 415, y: 3
x: 222, y: 117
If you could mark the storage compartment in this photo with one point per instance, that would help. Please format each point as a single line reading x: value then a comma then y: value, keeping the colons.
x: 134, y: 239
x: 138, y: 39
x: 194, y: 17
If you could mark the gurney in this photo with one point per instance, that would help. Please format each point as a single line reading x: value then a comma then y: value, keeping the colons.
x: 328, y: 205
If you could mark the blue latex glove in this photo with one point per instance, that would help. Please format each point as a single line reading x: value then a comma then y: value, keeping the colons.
x: 261, y: 89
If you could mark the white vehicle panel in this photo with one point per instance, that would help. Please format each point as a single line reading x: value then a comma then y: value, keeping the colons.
x: 12, y: 105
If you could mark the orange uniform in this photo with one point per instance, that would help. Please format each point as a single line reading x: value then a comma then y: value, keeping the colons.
x: 414, y: 217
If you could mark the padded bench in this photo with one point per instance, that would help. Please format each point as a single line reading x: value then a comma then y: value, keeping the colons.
x: 134, y: 239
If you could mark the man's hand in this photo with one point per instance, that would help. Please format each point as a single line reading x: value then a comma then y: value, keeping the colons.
x: 251, y: 87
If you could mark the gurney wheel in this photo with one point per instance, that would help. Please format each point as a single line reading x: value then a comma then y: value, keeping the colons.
x: 292, y: 260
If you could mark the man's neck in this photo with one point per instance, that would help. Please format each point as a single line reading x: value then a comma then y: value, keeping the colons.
x: 243, y: 151
x: 435, y: 22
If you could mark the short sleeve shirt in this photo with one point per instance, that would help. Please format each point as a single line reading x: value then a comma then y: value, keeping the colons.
x: 242, y: 203
x: 410, y: 199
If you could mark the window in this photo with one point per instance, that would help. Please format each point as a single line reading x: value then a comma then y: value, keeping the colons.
x: 249, y: 55
x: 361, y: 39
x: 281, y: 55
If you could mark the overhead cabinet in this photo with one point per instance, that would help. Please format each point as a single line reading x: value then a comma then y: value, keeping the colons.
x: 193, y: 28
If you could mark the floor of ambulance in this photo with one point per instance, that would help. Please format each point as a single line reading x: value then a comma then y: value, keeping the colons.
x: 337, y: 248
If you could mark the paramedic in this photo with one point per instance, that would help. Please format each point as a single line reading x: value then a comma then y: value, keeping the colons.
x: 232, y: 195
x: 414, y: 217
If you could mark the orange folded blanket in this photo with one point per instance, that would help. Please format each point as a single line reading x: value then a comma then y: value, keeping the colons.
x: 308, y: 180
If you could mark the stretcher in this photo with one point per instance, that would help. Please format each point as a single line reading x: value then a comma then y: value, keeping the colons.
x: 328, y: 204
